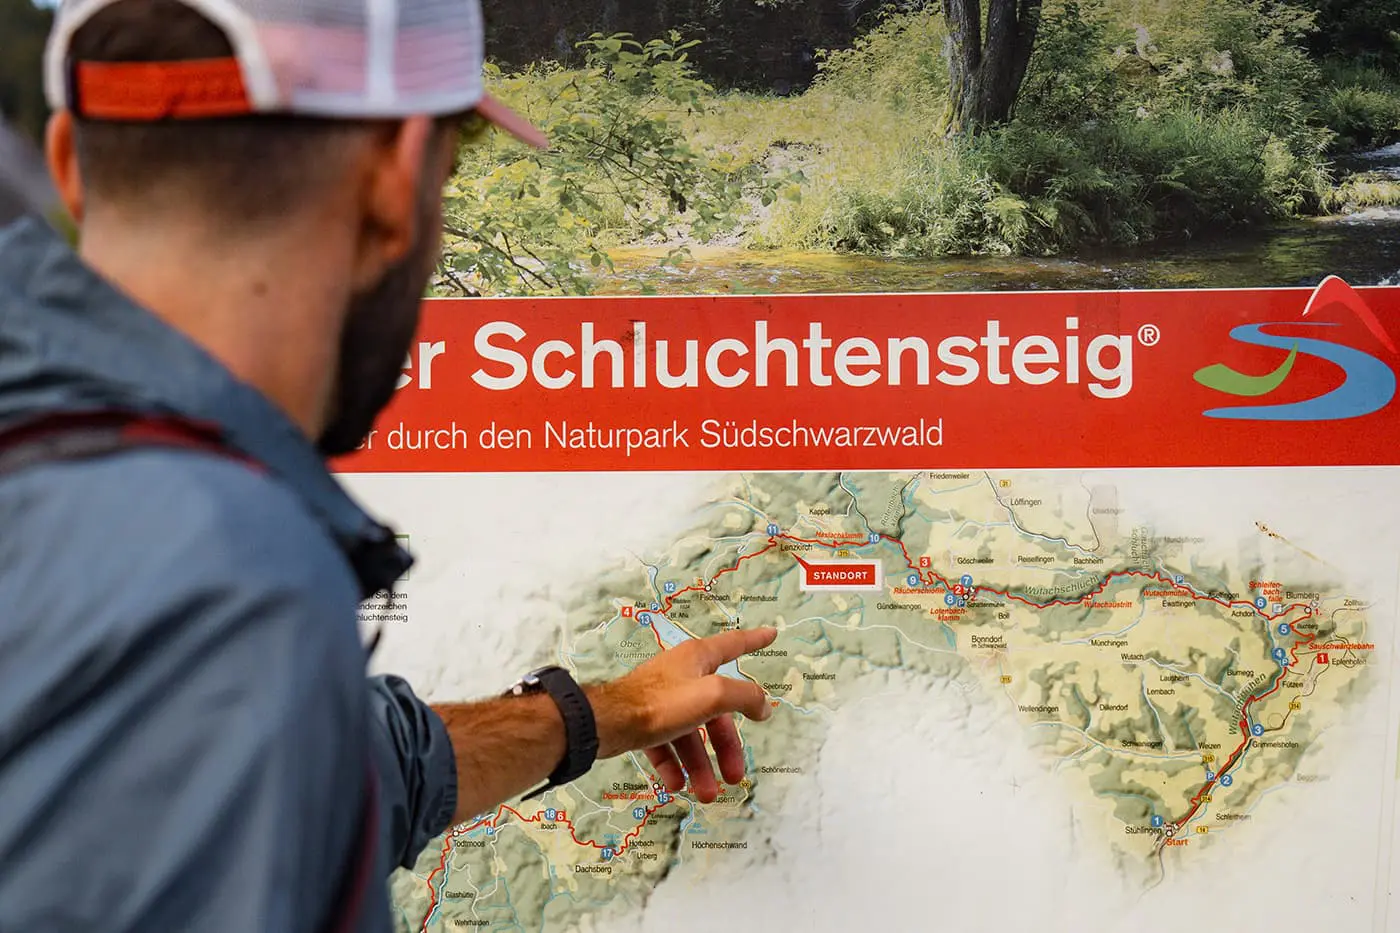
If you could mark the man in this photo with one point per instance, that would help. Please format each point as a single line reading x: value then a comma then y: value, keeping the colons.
x: 187, y: 737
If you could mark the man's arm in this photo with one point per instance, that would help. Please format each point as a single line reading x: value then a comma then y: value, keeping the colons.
x: 416, y: 767
x: 507, y: 746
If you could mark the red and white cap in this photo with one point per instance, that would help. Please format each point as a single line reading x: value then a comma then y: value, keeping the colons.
x: 346, y: 59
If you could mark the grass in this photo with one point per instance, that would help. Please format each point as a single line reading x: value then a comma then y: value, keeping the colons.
x: 845, y: 149
x: 880, y: 180
x: 1362, y: 192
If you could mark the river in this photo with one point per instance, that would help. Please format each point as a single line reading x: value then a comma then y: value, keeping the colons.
x: 1363, y: 248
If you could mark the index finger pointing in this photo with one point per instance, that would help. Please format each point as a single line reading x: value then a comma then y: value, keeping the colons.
x: 719, y: 650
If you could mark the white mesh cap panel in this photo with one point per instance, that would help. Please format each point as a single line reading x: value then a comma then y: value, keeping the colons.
x: 317, y: 49
x: 429, y: 56
x: 372, y: 58
x: 333, y: 58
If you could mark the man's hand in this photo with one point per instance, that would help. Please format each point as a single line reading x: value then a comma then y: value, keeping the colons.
x: 671, y: 704
x: 507, y: 745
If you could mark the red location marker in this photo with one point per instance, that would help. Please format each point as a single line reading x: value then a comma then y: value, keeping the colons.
x: 859, y: 576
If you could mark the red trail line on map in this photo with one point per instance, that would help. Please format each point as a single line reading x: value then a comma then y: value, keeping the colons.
x: 1246, y: 739
x: 926, y: 576
x: 494, y: 822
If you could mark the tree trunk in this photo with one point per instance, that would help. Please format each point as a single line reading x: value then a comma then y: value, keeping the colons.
x: 985, y: 77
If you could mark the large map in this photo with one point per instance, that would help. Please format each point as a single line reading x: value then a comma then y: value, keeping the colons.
x: 1171, y: 682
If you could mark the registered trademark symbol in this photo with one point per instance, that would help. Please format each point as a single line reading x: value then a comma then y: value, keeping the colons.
x: 1149, y: 335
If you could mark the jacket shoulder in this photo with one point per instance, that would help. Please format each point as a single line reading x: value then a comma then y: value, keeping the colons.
x: 180, y: 665
x: 173, y: 524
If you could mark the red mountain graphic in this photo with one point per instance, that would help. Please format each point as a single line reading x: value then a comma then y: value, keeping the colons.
x: 1335, y: 294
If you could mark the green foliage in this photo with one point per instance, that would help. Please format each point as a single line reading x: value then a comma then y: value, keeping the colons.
x: 620, y: 170
x: 65, y: 226
x: 1023, y: 189
x: 1361, y: 117
x: 1139, y: 121
x: 898, y: 64
x: 1218, y: 55
x: 934, y: 205
x: 760, y: 46
x: 1366, y: 32
x: 1079, y: 66
x: 1361, y: 104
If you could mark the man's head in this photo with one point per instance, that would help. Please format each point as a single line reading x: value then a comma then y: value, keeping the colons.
x: 259, y: 116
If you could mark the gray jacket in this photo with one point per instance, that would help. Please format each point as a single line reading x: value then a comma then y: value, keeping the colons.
x: 187, y: 733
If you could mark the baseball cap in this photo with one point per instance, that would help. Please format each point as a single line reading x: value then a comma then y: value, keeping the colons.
x: 345, y: 59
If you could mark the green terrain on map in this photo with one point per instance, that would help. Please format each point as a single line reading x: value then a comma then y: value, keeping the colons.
x: 1175, y: 678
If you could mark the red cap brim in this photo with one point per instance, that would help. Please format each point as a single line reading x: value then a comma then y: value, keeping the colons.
x: 512, y: 122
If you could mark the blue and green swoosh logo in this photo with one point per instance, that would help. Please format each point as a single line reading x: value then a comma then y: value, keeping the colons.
x: 1370, y: 383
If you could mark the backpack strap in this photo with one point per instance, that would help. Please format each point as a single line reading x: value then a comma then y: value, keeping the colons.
x: 349, y: 906
x: 377, y: 561
x: 71, y: 436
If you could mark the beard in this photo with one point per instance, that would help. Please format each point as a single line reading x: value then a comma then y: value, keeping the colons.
x: 380, y: 325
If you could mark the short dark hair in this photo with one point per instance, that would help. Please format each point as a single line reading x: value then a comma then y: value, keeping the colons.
x: 246, y: 170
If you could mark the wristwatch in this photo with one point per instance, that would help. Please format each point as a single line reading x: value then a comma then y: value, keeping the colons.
x: 580, y: 728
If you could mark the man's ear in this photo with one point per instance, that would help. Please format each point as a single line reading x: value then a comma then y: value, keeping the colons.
x: 395, y: 170
x: 62, y: 155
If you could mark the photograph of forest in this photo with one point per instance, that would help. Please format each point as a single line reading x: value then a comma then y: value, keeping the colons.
x: 841, y: 145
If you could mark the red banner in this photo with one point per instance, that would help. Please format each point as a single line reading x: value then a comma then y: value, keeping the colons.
x: 1277, y: 377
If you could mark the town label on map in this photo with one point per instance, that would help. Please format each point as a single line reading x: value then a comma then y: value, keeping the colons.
x: 1176, y: 679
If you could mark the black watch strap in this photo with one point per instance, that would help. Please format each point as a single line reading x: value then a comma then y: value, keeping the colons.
x: 580, y: 728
